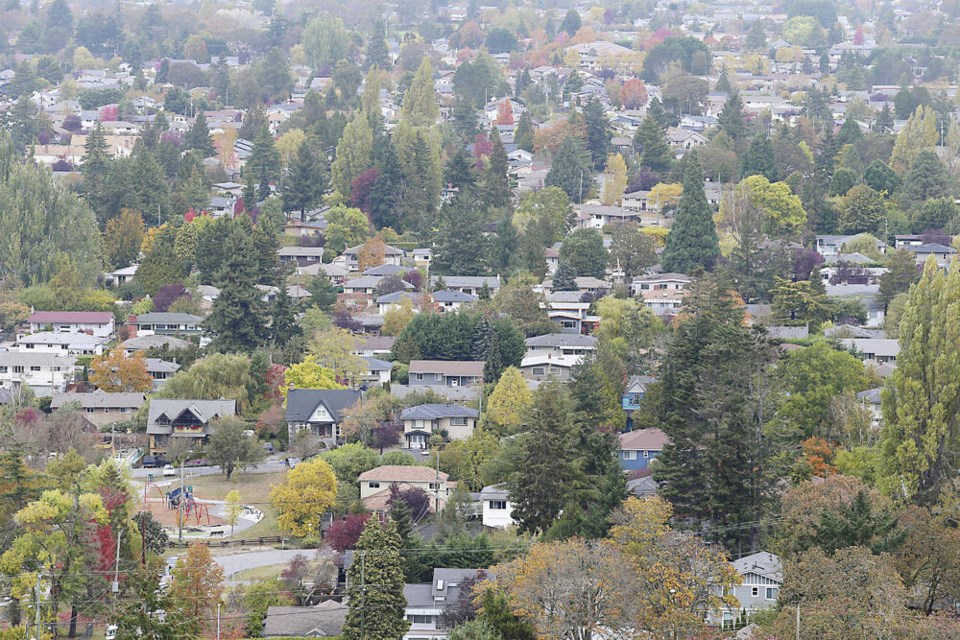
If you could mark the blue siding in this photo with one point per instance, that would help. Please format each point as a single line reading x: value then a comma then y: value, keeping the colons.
x: 637, y: 464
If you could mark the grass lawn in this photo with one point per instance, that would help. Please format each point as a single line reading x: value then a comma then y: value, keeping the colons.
x: 271, y: 572
x: 254, y: 490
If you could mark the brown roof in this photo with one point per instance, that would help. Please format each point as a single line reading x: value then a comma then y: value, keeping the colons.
x: 643, y: 440
x: 380, y: 501
x: 402, y: 473
x: 449, y: 368
x: 82, y: 317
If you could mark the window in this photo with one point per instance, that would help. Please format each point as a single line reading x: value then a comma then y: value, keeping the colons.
x: 755, y: 592
x: 644, y: 287
x: 418, y: 376
x: 498, y: 505
x: 18, y: 368
x: 3, y: 369
x: 420, y: 619
x: 434, y: 486
x: 29, y: 345
x: 646, y: 454
x: 89, y: 409
x: 458, y: 422
x: 772, y: 593
x: 373, y: 484
x: 34, y: 368
x: 539, y: 371
x: 629, y: 455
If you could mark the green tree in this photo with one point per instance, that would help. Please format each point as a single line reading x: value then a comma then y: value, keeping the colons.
x: 935, y: 214
x: 346, y: 227
x: 732, y: 119
x: 599, y: 133
x: 863, y: 210
x: 325, y: 41
x: 920, y: 440
x: 354, y: 154
x: 198, y: 137
x: 237, y: 318
x: 122, y: 238
x: 571, y: 22
x: 461, y: 246
x: 231, y: 448
x: 651, y: 143
x: 802, y: 302
x: 917, y: 136
x: 496, y: 183
x: 539, y: 487
x: 523, y: 135
x: 926, y: 178
x: 759, y: 159
x: 565, y: 277
x: 305, y: 181
x: 377, y: 52
x: 692, y: 241
x: 264, y: 162
x: 375, y: 584
x: 881, y: 177
x: 583, y: 250
x: 95, y: 169
x: 570, y: 170
x: 902, y: 271
x: 383, y: 199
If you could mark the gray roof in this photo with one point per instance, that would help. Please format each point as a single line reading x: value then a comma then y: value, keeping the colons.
x: 150, y: 342
x: 870, y: 395
x: 168, y: 318
x: 396, y: 296
x: 492, y: 282
x: 494, y: 492
x: 565, y: 296
x: 99, y: 400
x: 448, y: 367
x: 301, y: 403
x: 642, y: 487
x: 205, y: 410
x: 781, y: 332
x: 364, y: 282
x: 454, y: 394
x: 929, y: 248
x: 762, y: 564
x: 324, y: 620
x: 296, y: 252
x: 562, y: 340
x: 6, y: 396
x: 385, y: 270
x: 156, y: 365
x: 453, y: 296
x: 14, y: 358
x: 883, y: 347
x: 377, y: 364
x: 436, y: 411
x: 419, y: 596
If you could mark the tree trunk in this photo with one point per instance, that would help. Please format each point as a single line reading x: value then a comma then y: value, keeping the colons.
x: 74, y: 614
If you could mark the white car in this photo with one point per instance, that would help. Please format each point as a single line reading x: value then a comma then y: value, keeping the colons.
x: 169, y: 470
x: 111, y: 632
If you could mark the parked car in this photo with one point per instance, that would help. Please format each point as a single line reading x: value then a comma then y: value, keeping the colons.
x: 169, y: 470
x: 111, y: 632
x: 268, y: 446
x: 152, y: 462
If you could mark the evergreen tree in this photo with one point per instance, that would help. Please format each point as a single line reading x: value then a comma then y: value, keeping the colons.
x: 198, y: 137
x: 884, y: 121
x: 459, y: 173
x: 523, y: 134
x: 569, y: 170
x: 305, y: 181
x: 584, y: 251
x: 95, y: 170
x: 759, y: 160
x: 926, y: 178
x: 418, y: 201
x: 283, y: 317
x: 496, y: 183
x: 849, y: 133
x: 692, y: 242
x: 880, y: 177
x: 377, y: 52
x: 382, y: 199
x: 461, y: 244
x: 723, y: 82
x: 263, y: 165
x: 375, y: 585
x: 565, y: 277
x: 464, y: 119
x: 539, y: 487
x: 599, y: 133
x: 651, y: 144
x: 732, y: 120
x: 709, y: 401
x: 237, y: 317
x: 503, y: 246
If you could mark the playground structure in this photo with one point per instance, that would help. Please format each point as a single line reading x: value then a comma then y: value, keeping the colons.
x: 179, y: 499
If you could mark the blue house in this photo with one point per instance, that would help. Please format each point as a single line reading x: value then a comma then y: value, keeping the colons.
x: 633, y: 396
x: 638, y: 448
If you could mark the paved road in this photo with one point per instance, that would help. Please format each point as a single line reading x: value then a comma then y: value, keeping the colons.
x: 236, y: 562
x: 268, y: 466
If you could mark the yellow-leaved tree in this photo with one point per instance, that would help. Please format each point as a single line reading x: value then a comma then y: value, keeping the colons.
x: 614, y: 180
x: 510, y: 400
x: 308, y: 375
x: 301, y: 500
x: 115, y: 372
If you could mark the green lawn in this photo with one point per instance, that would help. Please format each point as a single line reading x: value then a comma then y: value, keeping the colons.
x: 254, y: 490
x: 271, y: 572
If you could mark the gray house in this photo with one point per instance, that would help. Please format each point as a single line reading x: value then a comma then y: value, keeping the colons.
x: 762, y: 577
x: 423, y: 420
x: 166, y: 324
x: 176, y: 418
x: 451, y: 373
x: 318, y: 410
x: 325, y: 620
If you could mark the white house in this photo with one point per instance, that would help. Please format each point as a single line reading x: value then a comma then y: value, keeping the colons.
x: 95, y: 323
x: 44, y: 373
x: 74, y: 344
x: 496, y: 508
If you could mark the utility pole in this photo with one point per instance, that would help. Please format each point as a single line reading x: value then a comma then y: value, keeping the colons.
x: 437, y: 488
x: 798, y: 621
x: 180, y: 508
x: 115, y: 585
x: 363, y: 592
x: 36, y: 591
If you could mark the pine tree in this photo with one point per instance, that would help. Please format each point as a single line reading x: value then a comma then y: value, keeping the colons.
x: 570, y: 170
x: 459, y: 173
x: 523, y: 134
x: 95, y: 170
x: 723, y: 82
x: 305, y: 181
x: 849, y: 133
x: 651, y: 143
x: 496, y: 182
x: 731, y: 118
x: 464, y: 119
x: 263, y: 165
x: 759, y: 160
x: 237, y: 317
x: 599, y: 133
x: 539, y: 487
x: 460, y: 247
x: 884, y: 121
x: 283, y: 317
x: 382, y: 200
x: 375, y: 585
x: 692, y: 242
x: 198, y: 137
x: 565, y: 277
x: 377, y: 52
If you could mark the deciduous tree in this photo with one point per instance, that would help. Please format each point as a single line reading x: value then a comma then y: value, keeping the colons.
x: 309, y: 489
x: 115, y: 372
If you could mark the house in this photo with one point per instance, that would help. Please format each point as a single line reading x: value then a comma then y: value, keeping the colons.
x: 456, y: 395
x: 684, y: 138
x: 165, y: 324
x: 74, y: 344
x: 160, y: 371
x: 95, y: 323
x: 567, y: 309
x: 101, y: 408
x: 472, y: 285
x: 120, y: 277
x: 45, y: 374
x: 391, y: 301
x: 324, y: 620
x: 450, y: 373
x: 373, y: 346
x: 318, y: 410
x: 598, y: 216
x: 662, y: 294
x: 426, y: 603
x: 828, y: 245
x: 184, y: 418
x: 496, y: 508
x: 762, y: 578
x: 449, y: 300
x: 375, y: 485
x: 377, y: 373
x: 366, y: 285
x: 870, y: 400
x: 300, y: 256
x: 391, y: 255
x: 422, y: 258
x: 943, y: 255
x: 876, y: 350
x: 633, y: 396
x: 554, y: 355
x: 638, y: 448
x: 452, y: 421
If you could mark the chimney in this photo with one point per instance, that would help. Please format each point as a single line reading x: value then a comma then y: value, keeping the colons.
x: 131, y: 327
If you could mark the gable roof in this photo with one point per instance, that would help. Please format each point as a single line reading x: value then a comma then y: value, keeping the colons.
x: 167, y: 318
x: 301, y: 403
x: 402, y: 473
x: 324, y: 620
x: 763, y: 564
x: 205, y: 410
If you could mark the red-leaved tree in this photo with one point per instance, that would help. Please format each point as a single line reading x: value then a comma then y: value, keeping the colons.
x: 344, y: 533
